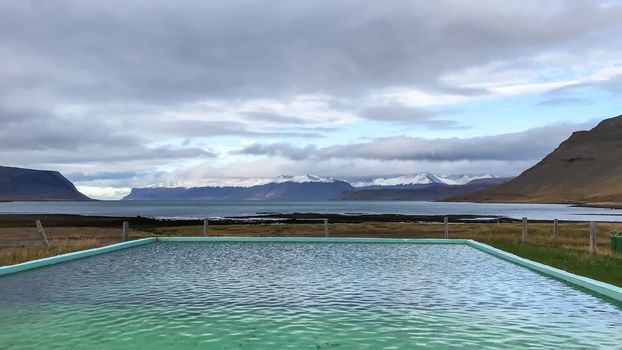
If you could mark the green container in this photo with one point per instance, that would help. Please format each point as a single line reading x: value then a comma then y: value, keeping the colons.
x: 616, y: 244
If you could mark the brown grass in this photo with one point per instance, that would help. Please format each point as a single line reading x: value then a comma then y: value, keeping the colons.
x: 16, y: 255
x: 24, y: 244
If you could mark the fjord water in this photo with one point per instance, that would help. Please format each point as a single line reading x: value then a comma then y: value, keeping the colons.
x: 211, y: 209
x: 299, y: 296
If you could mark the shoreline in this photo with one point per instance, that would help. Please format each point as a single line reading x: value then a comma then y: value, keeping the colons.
x: 598, y: 205
x: 74, y: 220
x: 570, y: 204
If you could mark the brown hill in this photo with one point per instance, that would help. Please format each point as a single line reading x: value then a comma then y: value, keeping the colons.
x: 585, y: 169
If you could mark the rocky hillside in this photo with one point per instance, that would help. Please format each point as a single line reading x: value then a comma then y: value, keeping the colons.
x: 584, y: 169
x: 28, y: 184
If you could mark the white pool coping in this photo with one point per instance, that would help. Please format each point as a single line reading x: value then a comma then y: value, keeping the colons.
x: 601, y: 288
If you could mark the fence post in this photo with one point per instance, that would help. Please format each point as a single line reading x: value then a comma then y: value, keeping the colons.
x: 592, y: 237
x: 44, y: 237
x: 524, y: 236
x: 326, y: 227
x: 555, y: 230
x: 205, y: 227
x: 126, y: 231
x: 446, y: 226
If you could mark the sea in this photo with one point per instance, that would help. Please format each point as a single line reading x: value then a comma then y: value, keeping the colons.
x: 223, y: 209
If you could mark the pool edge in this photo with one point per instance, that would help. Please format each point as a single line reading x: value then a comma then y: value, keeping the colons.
x: 602, y: 288
x: 33, y: 264
x: 314, y: 240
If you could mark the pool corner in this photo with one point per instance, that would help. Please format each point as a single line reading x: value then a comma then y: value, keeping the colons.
x: 33, y: 264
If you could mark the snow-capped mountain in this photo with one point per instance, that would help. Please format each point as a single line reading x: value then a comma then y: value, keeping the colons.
x: 302, y: 179
x: 284, y: 188
x: 419, y: 179
x: 402, y: 180
x: 465, y: 179
x: 247, y: 182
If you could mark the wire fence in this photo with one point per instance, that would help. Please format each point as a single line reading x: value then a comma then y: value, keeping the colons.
x: 577, y: 235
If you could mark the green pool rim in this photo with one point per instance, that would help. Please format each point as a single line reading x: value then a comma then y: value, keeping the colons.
x: 598, y: 287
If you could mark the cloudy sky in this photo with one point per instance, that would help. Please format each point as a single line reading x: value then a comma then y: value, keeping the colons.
x: 118, y: 94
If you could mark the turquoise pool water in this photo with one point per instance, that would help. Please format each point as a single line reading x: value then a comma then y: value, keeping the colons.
x: 299, y: 296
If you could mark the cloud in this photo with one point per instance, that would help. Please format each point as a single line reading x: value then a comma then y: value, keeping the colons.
x: 275, y: 117
x: 279, y: 149
x: 112, y: 86
x: 572, y: 93
x: 205, y: 128
x: 123, y: 175
x: 520, y: 146
x: 41, y: 129
x: 407, y: 115
x: 561, y: 100
x: 104, y: 192
x: 349, y: 169
x: 614, y: 84
x: 119, y: 51
x: 37, y: 138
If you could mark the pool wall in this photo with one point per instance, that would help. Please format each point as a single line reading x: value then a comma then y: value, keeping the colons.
x: 5, y: 270
x: 598, y: 287
x: 313, y: 240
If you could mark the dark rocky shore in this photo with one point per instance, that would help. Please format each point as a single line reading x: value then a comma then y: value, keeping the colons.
x: 61, y: 220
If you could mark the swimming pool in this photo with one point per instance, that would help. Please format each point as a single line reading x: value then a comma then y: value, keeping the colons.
x: 300, y: 294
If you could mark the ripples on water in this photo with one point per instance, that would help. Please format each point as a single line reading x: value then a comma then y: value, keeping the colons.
x: 299, y: 296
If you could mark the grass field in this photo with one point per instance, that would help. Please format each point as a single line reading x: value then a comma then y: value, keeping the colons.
x: 606, y: 268
x: 568, y: 253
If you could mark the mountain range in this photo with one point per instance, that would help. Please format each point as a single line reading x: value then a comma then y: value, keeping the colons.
x: 423, y: 186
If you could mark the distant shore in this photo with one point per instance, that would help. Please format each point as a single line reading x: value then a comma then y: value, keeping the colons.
x: 65, y: 220
x: 578, y: 205
x: 599, y: 205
